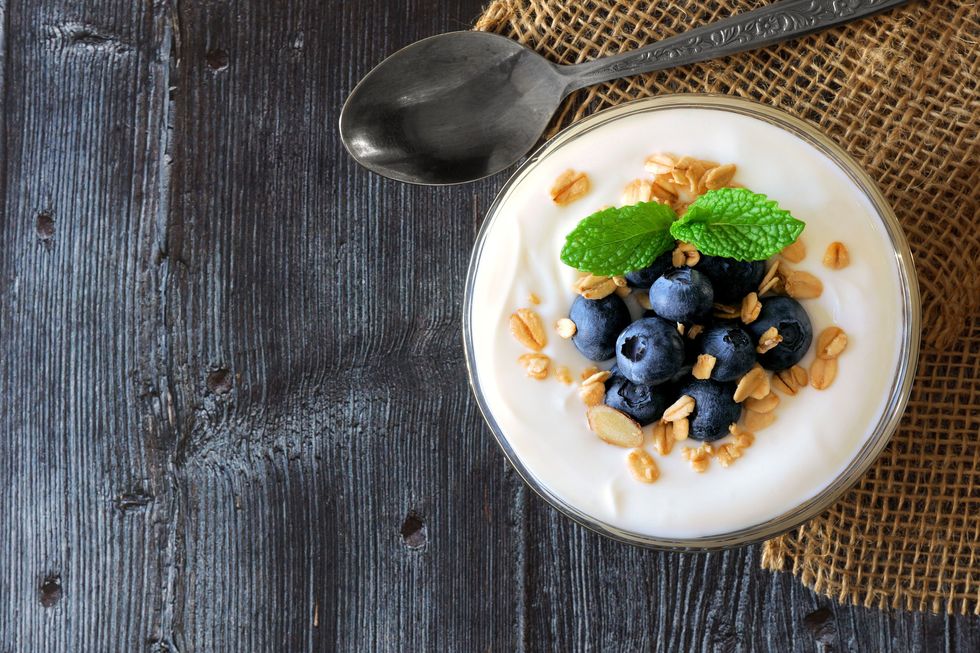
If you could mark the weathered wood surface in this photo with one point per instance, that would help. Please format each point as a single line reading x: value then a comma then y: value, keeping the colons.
x: 233, y: 408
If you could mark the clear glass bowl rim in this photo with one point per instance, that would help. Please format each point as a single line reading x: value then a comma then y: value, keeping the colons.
x: 910, y: 337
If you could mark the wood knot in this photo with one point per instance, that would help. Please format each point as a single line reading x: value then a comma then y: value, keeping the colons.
x: 217, y: 59
x: 820, y: 624
x: 44, y: 226
x: 50, y: 591
x: 413, y: 531
x: 219, y: 381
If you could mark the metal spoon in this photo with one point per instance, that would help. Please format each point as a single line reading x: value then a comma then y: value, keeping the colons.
x: 460, y: 106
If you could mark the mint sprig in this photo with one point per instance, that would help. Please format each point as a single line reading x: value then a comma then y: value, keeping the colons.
x: 737, y: 223
x: 731, y: 222
x: 615, y: 241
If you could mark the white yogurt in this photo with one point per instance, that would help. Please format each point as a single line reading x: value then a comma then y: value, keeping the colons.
x: 815, y: 435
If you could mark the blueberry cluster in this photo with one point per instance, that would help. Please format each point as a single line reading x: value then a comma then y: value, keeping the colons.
x: 654, y: 361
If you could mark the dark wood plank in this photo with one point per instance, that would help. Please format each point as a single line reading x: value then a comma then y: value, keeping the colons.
x: 332, y: 298
x: 84, y: 500
x: 234, y: 409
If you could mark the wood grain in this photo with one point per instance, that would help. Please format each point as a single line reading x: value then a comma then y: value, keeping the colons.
x: 233, y: 405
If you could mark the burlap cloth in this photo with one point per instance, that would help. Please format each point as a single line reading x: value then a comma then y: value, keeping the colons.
x: 899, y: 92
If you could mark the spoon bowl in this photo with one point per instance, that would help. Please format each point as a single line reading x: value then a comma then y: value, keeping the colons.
x: 451, y: 108
x: 461, y: 106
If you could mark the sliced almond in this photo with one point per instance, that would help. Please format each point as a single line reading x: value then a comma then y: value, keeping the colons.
x: 779, y: 384
x: 769, y: 340
x: 794, y: 252
x: 763, y: 389
x: 565, y: 328
x: 599, y: 376
x: 680, y: 328
x: 527, y: 328
x: 748, y: 383
x: 694, y: 331
x: 726, y: 312
x: 570, y: 186
x: 592, y: 394
x: 803, y: 285
x: 536, y: 365
x: 614, y: 427
x: 638, y: 190
x: 790, y: 381
x: 751, y: 307
x: 593, y: 286
x: 770, y: 286
x: 533, y: 299
x: 680, y: 409
x: 694, y: 174
x: 823, y: 371
x: 663, y: 192
x: 660, y: 163
x: 623, y: 292
x: 589, y: 371
x: 757, y: 421
x: 680, y: 429
x: 831, y: 342
x: 765, y: 405
x: 771, y: 272
x: 643, y: 466
x: 684, y: 162
x: 663, y: 438
x: 703, y: 367
x: 836, y: 256
x: 799, y: 375
x: 593, y: 389
x: 720, y: 176
x: 783, y: 382
x: 643, y: 299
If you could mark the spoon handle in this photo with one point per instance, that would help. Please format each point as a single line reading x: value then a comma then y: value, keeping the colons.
x: 776, y: 22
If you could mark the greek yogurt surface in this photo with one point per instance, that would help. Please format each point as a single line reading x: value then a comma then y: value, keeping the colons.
x: 815, y: 434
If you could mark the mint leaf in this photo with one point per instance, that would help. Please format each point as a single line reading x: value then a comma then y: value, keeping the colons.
x: 615, y: 241
x: 737, y: 223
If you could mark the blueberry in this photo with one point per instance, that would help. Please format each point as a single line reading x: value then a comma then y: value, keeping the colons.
x: 793, y: 324
x: 645, y: 277
x: 714, y: 409
x: 733, y: 349
x: 644, y: 403
x: 681, y: 295
x: 649, y: 351
x: 597, y: 323
x: 732, y: 280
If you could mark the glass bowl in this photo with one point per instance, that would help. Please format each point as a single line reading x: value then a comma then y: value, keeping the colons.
x: 899, y: 390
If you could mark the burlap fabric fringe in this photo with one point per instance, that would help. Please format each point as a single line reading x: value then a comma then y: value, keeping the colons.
x: 900, y: 93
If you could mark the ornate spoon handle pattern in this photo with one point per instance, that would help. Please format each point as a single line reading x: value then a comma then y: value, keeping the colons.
x: 767, y: 25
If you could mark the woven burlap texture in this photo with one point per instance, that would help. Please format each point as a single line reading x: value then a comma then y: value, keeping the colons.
x: 899, y: 92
